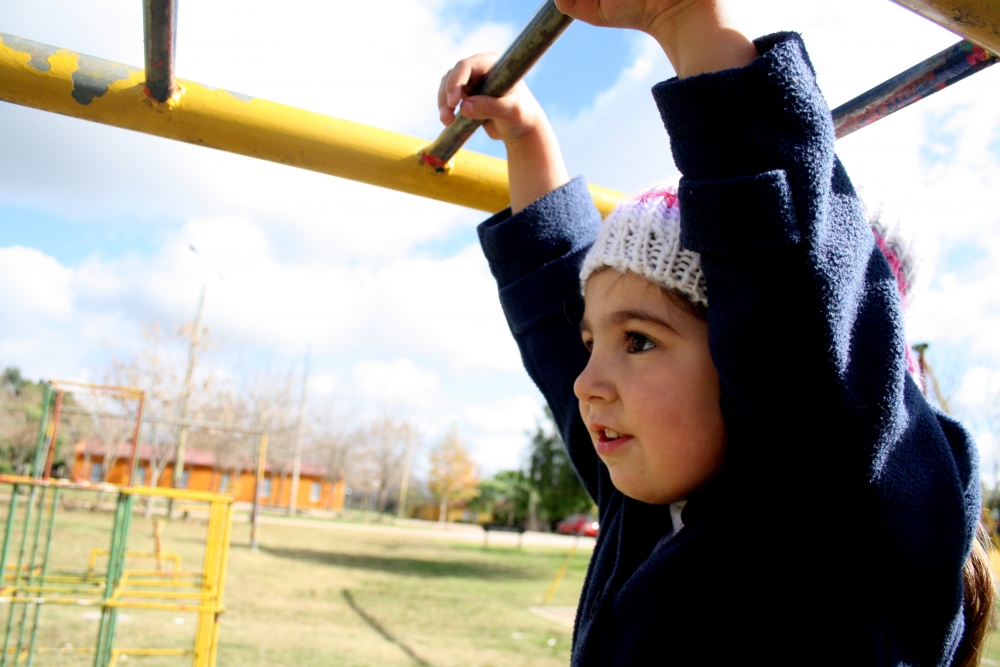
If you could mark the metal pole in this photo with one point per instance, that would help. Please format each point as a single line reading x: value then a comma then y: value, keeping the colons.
x: 8, y: 534
x: 135, y: 440
x: 936, y: 73
x: 257, y: 488
x: 196, y: 423
x: 404, y: 481
x: 44, y: 573
x: 159, y: 19
x: 25, y: 533
x: 538, y: 35
x: 55, y: 431
x: 31, y: 574
x: 185, y: 397
x: 43, y: 431
x: 293, y: 500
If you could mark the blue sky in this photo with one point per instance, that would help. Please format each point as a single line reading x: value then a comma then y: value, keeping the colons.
x: 391, y: 291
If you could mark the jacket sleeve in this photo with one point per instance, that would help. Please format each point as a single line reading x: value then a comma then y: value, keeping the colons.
x: 535, y: 257
x: 805, y: 322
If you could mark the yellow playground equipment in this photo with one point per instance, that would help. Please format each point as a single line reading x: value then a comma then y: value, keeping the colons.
x: 114, y: 578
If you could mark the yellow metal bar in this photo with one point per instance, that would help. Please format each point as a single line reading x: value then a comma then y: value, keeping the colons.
x: 177, y: 494
x: 174, y: 595
x: 143, y: 555
x: 125, y: 392
x: 197, y: 609
x: 100, y: 602
x: 68, y: 83
x: 206, y: 621
x: 976, y: 20
x: 116, y: 652
x: 221, y: 587
x: 164, y: 580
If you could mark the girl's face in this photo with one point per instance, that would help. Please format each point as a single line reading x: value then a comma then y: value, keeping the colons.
x: 650, y: 393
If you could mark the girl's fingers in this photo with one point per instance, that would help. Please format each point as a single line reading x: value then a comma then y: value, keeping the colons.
x: 464, y: 73
x: 457, y: 79
x: 508, y: 112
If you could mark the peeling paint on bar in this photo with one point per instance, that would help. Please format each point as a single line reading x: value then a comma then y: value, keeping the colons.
x: 39, y: 53
x: 936, y: 73
x: 113, y: 94
x: 94, y: 76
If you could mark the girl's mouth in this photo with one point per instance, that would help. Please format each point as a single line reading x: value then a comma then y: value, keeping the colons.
x: 609, y: 441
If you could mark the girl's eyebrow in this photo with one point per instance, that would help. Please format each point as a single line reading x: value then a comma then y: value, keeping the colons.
x: 623, y: 316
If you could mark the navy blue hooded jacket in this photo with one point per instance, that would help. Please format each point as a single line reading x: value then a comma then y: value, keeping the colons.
x: 836, y: 530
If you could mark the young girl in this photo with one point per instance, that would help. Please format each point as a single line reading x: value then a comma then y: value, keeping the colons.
x: 771, y: 482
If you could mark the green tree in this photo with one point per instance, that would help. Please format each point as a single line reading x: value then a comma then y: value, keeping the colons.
x: 552, y: 477
x: 505, y: 496
x: 20, y: 410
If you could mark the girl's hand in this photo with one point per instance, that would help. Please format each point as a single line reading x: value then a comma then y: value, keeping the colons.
x: 508, y: 118
x: 696, y: 35
x: 534, y: 162
x: 649, y: 16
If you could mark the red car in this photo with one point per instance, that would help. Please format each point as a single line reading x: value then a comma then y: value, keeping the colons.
x: 578, y: 524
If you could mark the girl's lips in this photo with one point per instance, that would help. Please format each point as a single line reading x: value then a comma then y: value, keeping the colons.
x: 606, y: 446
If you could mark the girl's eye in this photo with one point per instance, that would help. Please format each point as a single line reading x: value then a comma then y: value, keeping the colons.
x: 589, y: 344
x: 638, y: 343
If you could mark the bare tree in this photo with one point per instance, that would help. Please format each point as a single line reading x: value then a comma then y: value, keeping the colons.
x: 156, y: 369
x: 385, y: 441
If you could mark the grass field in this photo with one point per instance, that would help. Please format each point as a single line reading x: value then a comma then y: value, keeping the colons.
x: 316, y: 596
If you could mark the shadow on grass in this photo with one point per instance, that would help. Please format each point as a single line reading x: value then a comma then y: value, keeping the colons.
x: 379, y: 628
x: 410, y: 566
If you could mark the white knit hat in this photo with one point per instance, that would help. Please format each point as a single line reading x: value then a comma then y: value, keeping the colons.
x: 643, y: 235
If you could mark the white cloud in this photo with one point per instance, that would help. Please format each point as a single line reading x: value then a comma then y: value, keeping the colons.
x: 323, y: 385
x: 498, y: 431
x: 397, y: 384
x: 33, y: 282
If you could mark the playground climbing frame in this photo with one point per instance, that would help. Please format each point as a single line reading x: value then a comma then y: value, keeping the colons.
x: 29, y: 583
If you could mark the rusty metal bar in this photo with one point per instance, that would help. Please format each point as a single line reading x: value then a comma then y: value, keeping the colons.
x: 135, y: 440
x: 258, y: 487
x: 976, y: 20
x: 159, y: 19
x: 538, y: 35
x: 173, y: 421
x: 60, y: 81
x: 55, y: 432
x: 936, y: 73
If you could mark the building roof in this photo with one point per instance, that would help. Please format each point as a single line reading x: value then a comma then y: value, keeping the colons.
x: 197, y: 457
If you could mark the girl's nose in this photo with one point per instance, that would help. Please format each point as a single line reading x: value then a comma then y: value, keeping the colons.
x: 594, y: 383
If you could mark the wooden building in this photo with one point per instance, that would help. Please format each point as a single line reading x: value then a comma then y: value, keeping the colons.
x: 203, y: 472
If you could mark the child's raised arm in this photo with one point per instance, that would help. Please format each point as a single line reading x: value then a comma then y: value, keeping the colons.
x: 696, y: 35
x: 534, y: 162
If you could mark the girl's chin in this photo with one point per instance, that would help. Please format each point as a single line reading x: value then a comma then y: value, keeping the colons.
x: 637, y: 487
